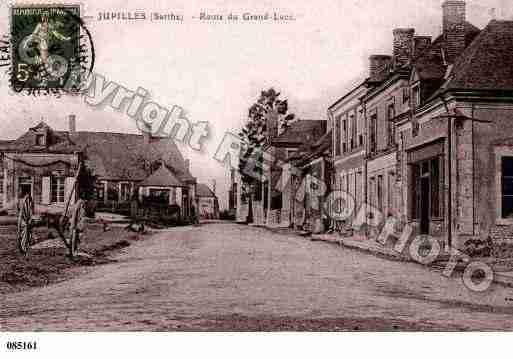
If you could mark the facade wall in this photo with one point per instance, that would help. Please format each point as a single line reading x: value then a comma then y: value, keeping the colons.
x: 349, y: 161
x: 475, y: 158
x: 384, y: 175
x: 36, y: 170
x: 492, y: 142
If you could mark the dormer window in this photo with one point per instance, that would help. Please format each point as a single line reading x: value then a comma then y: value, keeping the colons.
x: 41, y: 140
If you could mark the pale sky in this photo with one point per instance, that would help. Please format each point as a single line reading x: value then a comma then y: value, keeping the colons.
x: 215, y: 70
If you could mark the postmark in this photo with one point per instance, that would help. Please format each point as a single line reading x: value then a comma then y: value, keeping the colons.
x: 51, y: 49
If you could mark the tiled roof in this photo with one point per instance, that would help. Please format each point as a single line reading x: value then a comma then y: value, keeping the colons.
x: 302, y: 131
x: 116, y: 155
x: 163, y: 177
x: 112, y: 156
x: 430, y: 63
x: 58, y: 142
x: 487, y: 64
x: 202, y: 190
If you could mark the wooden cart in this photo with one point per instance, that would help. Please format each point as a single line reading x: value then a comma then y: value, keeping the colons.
x: 69, y: 228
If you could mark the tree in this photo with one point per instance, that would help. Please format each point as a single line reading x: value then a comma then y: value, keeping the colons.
x: 269, y: 110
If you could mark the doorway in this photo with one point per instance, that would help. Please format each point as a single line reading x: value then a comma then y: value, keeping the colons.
x: 424, y: 205
x: 24, y: 187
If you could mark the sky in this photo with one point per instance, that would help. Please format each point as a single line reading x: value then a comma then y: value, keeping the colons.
x: 216, y: 70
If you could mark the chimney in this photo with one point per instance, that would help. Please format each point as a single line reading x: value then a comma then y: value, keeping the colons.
x: 403, y: 46
x: 72, y: 123
x: 421, y: 43
x: 454, y: 14
x: 377, y: 63
x: 187, y: 164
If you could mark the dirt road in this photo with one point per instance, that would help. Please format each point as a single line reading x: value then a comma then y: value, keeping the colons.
x: 231, y: 277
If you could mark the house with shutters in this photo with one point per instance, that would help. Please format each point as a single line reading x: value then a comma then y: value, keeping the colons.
x: 43, y: 163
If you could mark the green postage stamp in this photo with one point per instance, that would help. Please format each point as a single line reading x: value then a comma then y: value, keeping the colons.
x: 46, y: 48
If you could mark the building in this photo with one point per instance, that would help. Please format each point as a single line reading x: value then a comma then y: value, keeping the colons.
x: 458, y: 151
x: 208, y: 203
x: 348, y: 130
x: 279, y: 148
x: 308, y: 173
x: 438, y: 152
x: 43, y: 162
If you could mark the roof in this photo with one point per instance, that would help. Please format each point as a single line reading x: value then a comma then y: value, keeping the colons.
x: 349, y: 93
x: 111, y: 156
x: 301, y: 131
x: 429, y: 64
x: 202, y: 190
x: 487, y: 63
x: 310, y: 152
x: 163, y: 177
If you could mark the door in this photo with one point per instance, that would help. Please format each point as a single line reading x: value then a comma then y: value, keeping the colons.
x: 424, y: 205
x: 24, y: 187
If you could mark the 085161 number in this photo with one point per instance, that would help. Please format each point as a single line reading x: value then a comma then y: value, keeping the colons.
x: 21, y: 345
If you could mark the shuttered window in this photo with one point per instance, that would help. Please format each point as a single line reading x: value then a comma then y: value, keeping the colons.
x: 57, y: 189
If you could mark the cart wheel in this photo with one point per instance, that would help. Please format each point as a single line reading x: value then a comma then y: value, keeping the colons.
x: 24, y: 230
x: 77, y: 226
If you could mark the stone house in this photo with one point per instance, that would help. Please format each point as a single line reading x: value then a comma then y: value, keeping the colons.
x: 44, y: 161
x: 438, y: 130
x: 208, y: 204
x: 458, y: 152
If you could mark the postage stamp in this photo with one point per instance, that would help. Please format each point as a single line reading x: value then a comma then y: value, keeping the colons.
x: 47, y: 51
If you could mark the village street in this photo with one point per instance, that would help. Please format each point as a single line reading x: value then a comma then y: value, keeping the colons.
x: 223, y: 276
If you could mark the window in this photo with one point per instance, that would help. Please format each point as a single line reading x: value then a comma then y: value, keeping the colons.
x: 432, y: 169
x: 406, y: 94
x: 390, y: 191
x: 372, y: 191
x: 337, y: 135
x: 354, y: 131
x: 159, y: 195
x: 57, y: 189
x: 391, y: 126
x: 125, y: 191
x: 344, y: 136
x: 380, y: 193
x: 100, y: 191
x: 40, y: 140
x: 507, y: 186
x: 373, y: 133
